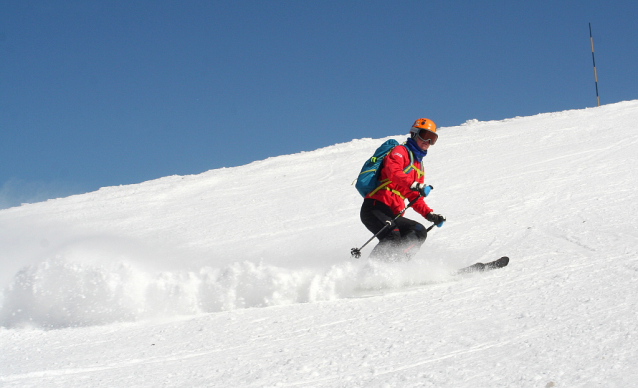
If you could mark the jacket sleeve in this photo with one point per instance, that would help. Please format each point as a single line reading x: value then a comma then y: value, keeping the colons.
x: 421, y: 207
x: 395, y: 163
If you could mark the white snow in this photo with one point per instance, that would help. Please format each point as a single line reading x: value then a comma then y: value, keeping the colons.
x: 242, y: 277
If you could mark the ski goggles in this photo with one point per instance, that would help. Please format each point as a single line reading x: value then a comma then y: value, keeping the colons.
x: 427, y: 136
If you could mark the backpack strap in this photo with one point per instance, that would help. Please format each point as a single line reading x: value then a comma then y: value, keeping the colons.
x: 383, y: 185
x: 419, y: 171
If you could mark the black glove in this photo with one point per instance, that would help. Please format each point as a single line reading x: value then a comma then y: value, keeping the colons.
x: 436, y: 219
x: 421, y: 188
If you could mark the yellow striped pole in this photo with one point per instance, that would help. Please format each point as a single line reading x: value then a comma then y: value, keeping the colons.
x: 591, y: 39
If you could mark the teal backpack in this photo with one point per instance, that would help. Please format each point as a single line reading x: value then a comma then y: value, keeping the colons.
x: 368, y: 179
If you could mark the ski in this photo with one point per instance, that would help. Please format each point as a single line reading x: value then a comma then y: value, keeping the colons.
x: 481, y: 267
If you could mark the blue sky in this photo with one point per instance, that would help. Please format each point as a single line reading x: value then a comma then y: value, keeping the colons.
x: 103, y: 93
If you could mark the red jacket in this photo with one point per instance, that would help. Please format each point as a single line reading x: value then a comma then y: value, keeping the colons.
x: 393, y: 166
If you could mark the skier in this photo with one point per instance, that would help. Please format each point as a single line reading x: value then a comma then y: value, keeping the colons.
x: 401, y: 180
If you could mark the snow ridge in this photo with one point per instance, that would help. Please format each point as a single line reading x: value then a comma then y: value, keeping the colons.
x: 198, y: 244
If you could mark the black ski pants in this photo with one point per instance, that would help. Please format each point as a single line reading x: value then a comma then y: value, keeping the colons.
x: 399, y: 242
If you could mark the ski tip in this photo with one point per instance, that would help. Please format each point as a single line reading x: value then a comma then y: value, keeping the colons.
x: 480, y: 267
x: 500, y: 263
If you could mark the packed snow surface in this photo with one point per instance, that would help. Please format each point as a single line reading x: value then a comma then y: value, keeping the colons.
x: 242, y: 277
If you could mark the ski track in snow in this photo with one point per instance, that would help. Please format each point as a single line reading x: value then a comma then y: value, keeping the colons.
x: 157, y: 284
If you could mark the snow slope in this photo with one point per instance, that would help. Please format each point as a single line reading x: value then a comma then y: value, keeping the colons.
x: 243, y: 277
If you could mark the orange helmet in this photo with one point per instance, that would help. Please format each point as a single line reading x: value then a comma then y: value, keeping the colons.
x: 425, y: 129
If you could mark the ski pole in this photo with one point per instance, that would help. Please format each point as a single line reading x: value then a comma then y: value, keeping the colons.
x: 356, y: 252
